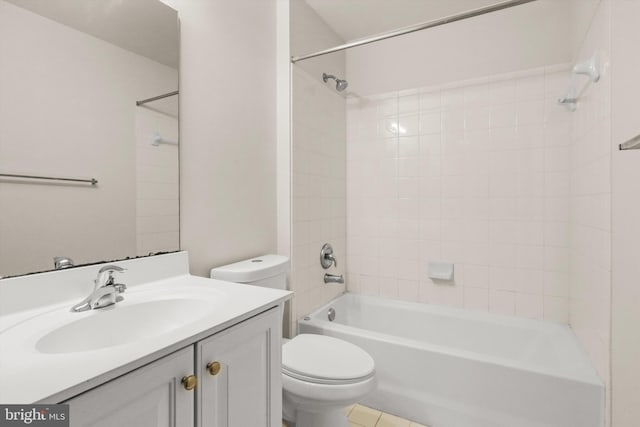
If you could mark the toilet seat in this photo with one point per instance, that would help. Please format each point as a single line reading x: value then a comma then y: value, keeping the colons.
x: 325, y: 381
x: 320, y: 359
x: 314, y: 395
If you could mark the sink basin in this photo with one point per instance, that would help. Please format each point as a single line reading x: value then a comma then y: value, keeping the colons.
x: 121, y: 324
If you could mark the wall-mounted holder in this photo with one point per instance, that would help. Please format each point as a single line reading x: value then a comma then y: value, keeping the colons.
x: 441, y: 271
x: 157, y: 140
x: 589, y: 68
x: 569, y: 101
x: 631, y: 144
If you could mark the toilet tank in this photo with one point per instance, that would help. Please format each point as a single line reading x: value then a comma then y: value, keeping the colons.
x: 269, y: 271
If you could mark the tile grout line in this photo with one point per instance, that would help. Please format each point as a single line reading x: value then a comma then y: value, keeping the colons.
x: 376, y: 423
x: 378, y: 420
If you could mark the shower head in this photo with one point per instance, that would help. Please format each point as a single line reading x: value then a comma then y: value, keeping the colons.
x: 340, y: 84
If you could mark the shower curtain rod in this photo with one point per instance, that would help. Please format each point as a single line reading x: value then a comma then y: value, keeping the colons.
x: 155, y: 98
x: 418, y: 27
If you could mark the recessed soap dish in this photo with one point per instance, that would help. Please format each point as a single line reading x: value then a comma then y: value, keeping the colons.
x: 441, y: 271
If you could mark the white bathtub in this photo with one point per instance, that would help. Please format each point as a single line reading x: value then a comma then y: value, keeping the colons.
x: 447, y: 367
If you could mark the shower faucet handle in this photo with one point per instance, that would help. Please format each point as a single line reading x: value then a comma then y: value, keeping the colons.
x: 326, y: 256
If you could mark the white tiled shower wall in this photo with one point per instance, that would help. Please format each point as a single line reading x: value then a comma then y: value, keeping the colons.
x: 590, y: 284
x: 319, y: 187
x: 157, y: 192
x: 475, y: 173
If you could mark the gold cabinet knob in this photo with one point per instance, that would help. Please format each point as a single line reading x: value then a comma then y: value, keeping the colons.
x: 189, y: 382
x: 214, y: 368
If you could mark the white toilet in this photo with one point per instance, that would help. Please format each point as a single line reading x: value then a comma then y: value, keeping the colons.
x: 321, y: 375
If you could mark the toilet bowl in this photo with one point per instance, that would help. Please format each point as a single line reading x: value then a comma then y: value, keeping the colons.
x: 321, y: 375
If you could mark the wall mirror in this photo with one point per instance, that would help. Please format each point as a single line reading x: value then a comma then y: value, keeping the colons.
x: 72, y: 75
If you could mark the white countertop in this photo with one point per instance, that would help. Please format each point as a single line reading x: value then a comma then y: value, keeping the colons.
x: 28, y: 375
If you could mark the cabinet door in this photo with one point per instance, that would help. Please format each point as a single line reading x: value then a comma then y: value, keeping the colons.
x: 247, y: 390
x: 151, y: 396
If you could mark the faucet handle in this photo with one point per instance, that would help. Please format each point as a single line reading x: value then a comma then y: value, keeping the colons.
x: 326, y: 256
x: 120, y: 287
x: 112, y: 269
x: 107, y: 271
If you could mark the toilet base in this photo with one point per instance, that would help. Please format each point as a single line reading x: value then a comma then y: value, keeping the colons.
x: 326, y: 418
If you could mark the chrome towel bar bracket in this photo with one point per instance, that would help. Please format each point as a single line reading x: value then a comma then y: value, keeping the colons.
x: 632, y: 144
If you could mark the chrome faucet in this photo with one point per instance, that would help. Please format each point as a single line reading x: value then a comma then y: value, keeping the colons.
x: 333, y: 278
x: 61, y: 262
x: 105, y: 292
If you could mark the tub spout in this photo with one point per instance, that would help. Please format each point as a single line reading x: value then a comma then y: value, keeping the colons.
x: 333, y: 278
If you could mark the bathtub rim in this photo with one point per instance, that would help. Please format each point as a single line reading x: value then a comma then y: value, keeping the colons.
x: 315, y: 319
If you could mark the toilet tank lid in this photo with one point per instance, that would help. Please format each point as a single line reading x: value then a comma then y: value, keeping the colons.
x: 253, y: 269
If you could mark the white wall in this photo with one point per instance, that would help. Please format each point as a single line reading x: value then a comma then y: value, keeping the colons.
x: 318, y: 162
x: 227, y: 130
x: 284, y: 174
x: 482, y: 176
x: 67, y: 108
x: 625, y: 124
x: 477, y: 175
x: 309, y: 33
x: 528, y: 36
x: 319, y: 186
x: 590, y: 197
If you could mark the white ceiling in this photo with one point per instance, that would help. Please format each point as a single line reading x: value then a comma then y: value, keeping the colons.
x: 354, y: 19
x: 146, y: 27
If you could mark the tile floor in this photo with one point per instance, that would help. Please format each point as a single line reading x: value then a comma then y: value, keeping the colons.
x: 362, y: 416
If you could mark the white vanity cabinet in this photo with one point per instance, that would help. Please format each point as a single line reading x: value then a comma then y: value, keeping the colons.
x: 151, y: 396
x: 239, y: 371
x: 238, y: 384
